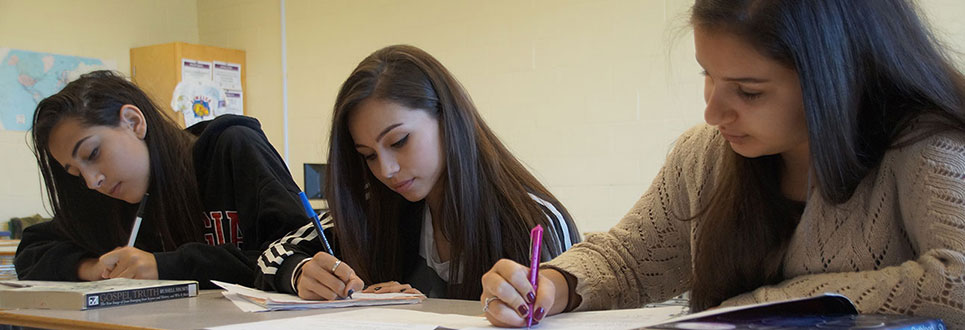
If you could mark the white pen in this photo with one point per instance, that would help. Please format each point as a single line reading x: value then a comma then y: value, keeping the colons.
x: 137, y: 220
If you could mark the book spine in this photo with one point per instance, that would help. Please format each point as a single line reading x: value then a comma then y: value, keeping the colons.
x: 139, y: 295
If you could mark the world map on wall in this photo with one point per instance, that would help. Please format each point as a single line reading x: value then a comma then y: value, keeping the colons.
x: 26, y: 77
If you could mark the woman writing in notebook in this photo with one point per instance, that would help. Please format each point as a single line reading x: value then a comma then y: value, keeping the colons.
x: 833, y: 161
x: 219, y: 192
x: 420, y: 190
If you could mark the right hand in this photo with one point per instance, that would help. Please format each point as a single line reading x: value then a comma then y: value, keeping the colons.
x: 318, y: 282
x: 91, y: 269
x: 515, y: 300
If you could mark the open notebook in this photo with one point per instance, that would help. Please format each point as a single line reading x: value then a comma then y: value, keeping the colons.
x: 254, y: 300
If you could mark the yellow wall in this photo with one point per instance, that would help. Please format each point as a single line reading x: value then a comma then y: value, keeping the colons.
x: 583, y: 92
x: 252, y: 26
x: 588, y: 93
x: 104, y: 29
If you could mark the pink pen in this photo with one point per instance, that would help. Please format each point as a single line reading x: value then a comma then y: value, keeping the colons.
x: 536, y: 239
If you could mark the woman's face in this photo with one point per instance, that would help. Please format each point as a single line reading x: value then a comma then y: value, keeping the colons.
x: 401, y: 146
x: 753, y: 100
x: 112, y: 160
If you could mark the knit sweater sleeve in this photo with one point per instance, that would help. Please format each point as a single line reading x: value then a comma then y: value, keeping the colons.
x: 646, y: 256
x: 929, y: 180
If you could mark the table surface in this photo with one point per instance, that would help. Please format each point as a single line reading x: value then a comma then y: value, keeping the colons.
x: 208, y: 309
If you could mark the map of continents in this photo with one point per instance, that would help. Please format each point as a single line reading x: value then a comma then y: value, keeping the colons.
x: 27, y: 77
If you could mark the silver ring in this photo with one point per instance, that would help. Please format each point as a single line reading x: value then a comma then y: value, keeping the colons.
x: 487, y: 302
x: 337, y: 263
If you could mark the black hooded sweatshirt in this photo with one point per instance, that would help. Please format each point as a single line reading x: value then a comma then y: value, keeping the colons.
x: 249, y: 200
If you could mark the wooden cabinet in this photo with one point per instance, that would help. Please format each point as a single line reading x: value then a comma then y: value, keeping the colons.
x: 157, y: 69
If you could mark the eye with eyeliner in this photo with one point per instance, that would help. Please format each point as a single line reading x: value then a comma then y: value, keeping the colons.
x: 401, y: 142
x: 93, y: 154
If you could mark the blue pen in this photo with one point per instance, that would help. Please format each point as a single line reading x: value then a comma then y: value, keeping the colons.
x: 318, y: 224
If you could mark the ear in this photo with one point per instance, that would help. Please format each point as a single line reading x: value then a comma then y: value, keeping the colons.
x: 133, y: 119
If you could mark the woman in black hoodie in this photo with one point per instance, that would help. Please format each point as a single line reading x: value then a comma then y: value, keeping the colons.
x: 219, y: 192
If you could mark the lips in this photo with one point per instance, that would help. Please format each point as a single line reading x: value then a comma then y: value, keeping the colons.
x: 114, y: 190
x: 403, y: 185
x: 732, y: 136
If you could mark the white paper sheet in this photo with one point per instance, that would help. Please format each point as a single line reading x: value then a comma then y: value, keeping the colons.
x: 193, y: 70
x: 268, y: 301
x: 234, y: 102
x: 227, y: 75
x: 386, y: 318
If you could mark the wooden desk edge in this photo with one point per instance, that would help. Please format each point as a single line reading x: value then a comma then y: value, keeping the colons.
x: 57, y: 323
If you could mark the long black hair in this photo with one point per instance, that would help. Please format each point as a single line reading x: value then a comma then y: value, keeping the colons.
x: 487, y: 211
x: 872, y: 77
x: 93, y: 220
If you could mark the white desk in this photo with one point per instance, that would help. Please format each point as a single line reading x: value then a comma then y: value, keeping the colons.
x: 208, y: 309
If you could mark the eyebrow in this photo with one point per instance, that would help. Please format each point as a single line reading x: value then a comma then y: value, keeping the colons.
x: 381, y: 135
x: 746, y: 80
x: 749, y: 80
x: 77, y: 146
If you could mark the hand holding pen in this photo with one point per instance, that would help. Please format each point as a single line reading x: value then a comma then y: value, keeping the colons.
x: 510, y: 299
x: 126, y: 262
x: 323, y: 276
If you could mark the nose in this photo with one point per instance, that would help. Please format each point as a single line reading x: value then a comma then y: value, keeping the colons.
x: 388, y: 166
x: 717, y: 112
x: 93, y: 179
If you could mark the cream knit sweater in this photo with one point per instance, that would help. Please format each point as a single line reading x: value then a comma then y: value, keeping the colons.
x: 896, y: 247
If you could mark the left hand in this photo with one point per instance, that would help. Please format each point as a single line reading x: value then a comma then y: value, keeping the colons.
x: 391, y: 287
x: 129, y: 262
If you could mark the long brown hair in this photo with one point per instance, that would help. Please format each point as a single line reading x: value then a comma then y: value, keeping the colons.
x: 100, y: 223
x: 487, y: 211
x: 868, y: 71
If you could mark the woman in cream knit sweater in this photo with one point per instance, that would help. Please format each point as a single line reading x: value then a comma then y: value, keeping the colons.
x: 833, y: 161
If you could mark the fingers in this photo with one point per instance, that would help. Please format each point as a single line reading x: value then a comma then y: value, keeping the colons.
x: 545, y: 298
x: 354, y: 285
x: 507, y: 282
x: 128, y: 262
x: 413, y: 291
x: 388, y: 287
x: 311, y: 288
x: 502, y: 316
x: 316, y: 282
x: 90, y: 270
x: 375, y: 288
x: 107, y: 262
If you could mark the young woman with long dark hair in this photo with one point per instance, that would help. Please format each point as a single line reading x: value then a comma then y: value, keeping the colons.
x: 420, y: 191
x: 218, y: 192
x: 833, y: 161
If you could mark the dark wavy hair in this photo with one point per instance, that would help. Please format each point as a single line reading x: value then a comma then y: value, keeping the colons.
x: 487, y: 210
x: 872, y: 76
x: 93, y: 220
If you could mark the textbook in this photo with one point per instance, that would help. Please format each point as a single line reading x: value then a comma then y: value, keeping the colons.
x: 87, y: 295
x: 823, y: 311
x: 254, y: 300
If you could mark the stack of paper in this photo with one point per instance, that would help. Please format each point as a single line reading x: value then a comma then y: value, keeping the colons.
x: 253, y: 300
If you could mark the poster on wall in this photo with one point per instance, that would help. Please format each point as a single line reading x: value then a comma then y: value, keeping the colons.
x: 207, y: 90
x: 227, y: 75
x: 198, y: 101
x: 27, y: 77
x: 192, y: 70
